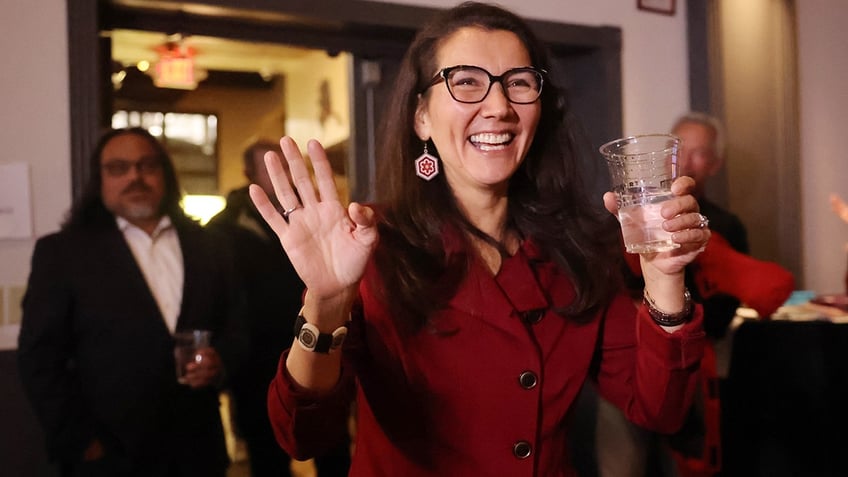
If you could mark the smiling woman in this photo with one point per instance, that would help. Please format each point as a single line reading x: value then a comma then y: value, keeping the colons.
x: 496, y: 273
x: 481, y: 125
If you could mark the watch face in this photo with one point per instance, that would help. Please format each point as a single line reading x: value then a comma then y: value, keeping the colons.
x: 308, y: 338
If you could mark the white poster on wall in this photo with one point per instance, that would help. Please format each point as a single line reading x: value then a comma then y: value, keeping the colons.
x: 15, y: 206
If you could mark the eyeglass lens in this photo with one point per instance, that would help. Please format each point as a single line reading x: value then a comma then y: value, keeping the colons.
x: 120, y: 167
x: 471, y: 84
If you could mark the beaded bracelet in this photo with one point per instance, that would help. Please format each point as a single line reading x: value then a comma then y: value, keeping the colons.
x: 669, y: 319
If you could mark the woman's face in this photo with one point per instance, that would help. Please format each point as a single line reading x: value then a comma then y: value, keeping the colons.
x: 480, y: 145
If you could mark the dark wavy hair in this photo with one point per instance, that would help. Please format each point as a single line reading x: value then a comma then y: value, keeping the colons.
x: 89, y: 209
x: 547, y: 203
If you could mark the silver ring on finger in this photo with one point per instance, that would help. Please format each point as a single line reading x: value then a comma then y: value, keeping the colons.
x: 703, y: 221
x: 287, y: 212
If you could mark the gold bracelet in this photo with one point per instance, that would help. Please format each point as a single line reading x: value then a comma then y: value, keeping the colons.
x: 669, y: 319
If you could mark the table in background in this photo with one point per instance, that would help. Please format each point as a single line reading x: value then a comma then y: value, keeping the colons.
x: 786, y: 402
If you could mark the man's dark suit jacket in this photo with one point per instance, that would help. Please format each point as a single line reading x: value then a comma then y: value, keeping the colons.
x: 96, y: 357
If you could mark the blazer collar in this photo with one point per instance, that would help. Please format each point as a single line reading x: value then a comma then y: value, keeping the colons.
x: 513, y: 292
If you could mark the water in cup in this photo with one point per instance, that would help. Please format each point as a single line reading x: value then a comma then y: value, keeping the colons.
x: 641, y: 224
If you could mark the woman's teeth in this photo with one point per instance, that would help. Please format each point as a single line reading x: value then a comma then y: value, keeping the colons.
x: 490, y: 141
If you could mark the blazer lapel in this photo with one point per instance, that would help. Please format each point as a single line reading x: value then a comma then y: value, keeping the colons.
x: 193, y: 264
x: 494, y: 299
x: 139, y: 297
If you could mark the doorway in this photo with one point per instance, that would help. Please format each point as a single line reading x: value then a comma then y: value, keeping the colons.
x: 224, y: 95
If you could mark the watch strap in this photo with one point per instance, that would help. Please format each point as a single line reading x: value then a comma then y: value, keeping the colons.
x: 311, y: 339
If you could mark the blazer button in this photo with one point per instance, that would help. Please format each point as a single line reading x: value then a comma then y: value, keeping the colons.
x: 534, y: 316
x: 528, y: 380
x: 522, y: 449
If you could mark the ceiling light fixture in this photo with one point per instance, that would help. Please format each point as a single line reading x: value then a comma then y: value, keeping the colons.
x: 175, y: 67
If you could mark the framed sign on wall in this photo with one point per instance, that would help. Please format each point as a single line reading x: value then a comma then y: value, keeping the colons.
x: 659, y: 6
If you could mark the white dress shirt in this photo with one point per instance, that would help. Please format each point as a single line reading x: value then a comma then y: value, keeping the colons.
x: 161, y: 261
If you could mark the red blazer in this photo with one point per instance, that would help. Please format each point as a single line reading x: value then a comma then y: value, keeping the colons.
x: 487, y: 388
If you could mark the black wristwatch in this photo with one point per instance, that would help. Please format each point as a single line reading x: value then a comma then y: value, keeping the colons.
x: 311, y: 339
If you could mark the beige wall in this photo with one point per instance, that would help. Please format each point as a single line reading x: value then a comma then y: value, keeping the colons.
x: 303, y: 99
x: 823, y: 79
x: 241, y: 114
x: 34, y: 128
x: 312, y: 114
x: 757, y: 48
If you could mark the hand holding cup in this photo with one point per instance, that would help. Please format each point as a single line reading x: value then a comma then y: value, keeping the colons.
x: 682, y: 220
x: 198, y: 364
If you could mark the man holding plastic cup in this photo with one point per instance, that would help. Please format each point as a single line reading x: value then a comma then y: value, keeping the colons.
x: 105, y: 297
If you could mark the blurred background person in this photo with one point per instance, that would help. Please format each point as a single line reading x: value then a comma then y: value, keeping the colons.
x: 105, y: 295
x: 701, y: 157
x: 273, y: 291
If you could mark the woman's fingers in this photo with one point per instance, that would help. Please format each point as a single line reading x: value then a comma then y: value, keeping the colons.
x: 323, y: 172
x: 286, y: 195
x: 266, y: 209
x: 683, y: 185
x: 678, y: 209
x: 610, y: 202
x: 698, y: 238
x: 300, y: 177
x: 299, y: 173
x: 683, y: 217
x: 364, y: 220
x: 685, y: 222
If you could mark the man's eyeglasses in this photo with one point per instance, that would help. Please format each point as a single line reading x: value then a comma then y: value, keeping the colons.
x: 471, y: 84
x: 121, y: 167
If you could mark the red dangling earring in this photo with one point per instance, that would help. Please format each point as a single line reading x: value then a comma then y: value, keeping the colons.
x: 426, y: 166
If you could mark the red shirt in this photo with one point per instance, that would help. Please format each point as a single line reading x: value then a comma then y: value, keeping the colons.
x: 486, y: 388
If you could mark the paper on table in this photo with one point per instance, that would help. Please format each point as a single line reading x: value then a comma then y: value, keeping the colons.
x: 811, y: 312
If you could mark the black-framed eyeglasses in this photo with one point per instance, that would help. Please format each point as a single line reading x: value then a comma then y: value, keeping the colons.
x: 471, y: 84
x: 120, y: 167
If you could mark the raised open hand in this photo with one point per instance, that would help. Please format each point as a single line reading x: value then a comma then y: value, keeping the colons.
x: 327, y: 245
